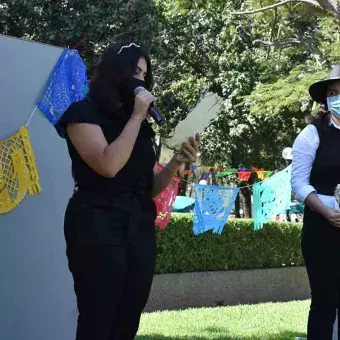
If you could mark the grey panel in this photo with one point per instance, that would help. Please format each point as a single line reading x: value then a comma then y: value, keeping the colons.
x: 36, y: 291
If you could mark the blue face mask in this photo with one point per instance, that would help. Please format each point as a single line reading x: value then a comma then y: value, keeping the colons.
x: 333, y: 104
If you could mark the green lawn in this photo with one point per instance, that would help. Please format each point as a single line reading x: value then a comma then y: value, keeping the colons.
x: 274, y: 321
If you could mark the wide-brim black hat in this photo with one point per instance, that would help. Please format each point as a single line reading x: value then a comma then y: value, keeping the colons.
x: 318, y: 90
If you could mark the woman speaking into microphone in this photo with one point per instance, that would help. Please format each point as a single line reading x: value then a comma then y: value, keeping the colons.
x: 109, y: 222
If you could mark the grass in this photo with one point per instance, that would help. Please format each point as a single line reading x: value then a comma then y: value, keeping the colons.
x: 269, y: 321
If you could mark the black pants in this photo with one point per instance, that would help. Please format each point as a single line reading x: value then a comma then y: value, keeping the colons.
x: 321, y: 252
x: 111, y: 250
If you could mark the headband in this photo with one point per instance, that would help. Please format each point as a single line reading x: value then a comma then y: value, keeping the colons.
x: 123, y: 47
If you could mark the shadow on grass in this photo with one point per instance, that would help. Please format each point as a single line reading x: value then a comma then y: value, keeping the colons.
x: 224, y: 334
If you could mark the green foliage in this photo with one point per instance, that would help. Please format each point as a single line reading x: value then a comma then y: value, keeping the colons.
x: 287, y: 94
x: 239, y: 247
x: 212, y: 48
x: 88, y: 26
x: 288, y: 91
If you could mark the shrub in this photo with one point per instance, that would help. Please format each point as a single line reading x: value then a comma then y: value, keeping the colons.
x: 239, y: 247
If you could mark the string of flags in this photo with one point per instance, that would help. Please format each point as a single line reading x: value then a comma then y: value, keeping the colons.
x: 18, y: 171
x: 271, y: 196
x: 213, y: 204
x: 243, y: 174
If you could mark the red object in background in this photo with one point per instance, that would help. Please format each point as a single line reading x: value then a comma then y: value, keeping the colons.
x: 244, y: 175
x: 165, y: 200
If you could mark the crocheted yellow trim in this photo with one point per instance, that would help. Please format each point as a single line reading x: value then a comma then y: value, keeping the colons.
x: 18, y: 170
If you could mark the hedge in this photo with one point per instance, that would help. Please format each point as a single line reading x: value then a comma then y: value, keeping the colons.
x: 239, y: 247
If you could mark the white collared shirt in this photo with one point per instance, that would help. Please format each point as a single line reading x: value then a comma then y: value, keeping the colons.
x: 304, y: 151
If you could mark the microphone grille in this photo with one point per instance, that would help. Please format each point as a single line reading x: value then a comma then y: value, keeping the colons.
x: 138, y: 90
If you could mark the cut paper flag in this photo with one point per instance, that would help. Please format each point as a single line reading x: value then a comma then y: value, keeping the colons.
x: 227, y: 172
x: 271, y: 197
x: 244, y: 176
x: 259, y: 173
x: 262, y: 174
x: 268, y: 174
x: 205, y: 175
x: 68, y: 83
x: 165, y: 200
x: 18, y: 170
x: 213, y: 205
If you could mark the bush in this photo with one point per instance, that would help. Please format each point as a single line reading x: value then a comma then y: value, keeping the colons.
x: 239, y: 247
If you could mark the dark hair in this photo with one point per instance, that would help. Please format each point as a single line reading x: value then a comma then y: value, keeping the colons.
x: 322, y: 118
x: 112, y: 70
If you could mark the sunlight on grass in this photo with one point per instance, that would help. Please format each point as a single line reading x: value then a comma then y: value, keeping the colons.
x: 274, y: 321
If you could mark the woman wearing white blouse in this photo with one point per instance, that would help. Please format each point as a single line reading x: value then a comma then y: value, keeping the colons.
x: 315, y: 174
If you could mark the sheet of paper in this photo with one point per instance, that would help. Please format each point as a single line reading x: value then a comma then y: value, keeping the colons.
x: 196, y: 121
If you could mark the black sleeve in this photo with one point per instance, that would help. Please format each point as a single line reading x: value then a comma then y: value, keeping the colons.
x: 79, y: 112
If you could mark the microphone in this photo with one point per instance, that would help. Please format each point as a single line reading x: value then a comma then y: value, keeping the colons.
x: 154, y: 113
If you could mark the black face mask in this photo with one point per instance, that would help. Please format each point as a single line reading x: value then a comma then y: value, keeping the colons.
x: 126, y: 91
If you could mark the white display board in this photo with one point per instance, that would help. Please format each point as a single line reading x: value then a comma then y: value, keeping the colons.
x: 36, y: 290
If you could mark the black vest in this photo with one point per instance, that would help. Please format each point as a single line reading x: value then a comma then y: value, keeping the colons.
x: 325, y: 174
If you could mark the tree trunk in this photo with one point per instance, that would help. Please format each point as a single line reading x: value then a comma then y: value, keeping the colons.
x: 158, y: 150
x: 184, y: 183
x: 237, y: 206
x: 245, y: 200
x: 183, y: 186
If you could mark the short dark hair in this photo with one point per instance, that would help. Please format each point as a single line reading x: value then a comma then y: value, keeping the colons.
x: 115, y: 68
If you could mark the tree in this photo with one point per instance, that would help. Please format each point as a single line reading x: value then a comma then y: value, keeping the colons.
x: 329, y: 6
x: 88, y: 26
x: 292, y: 89
x: 286, y: 98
